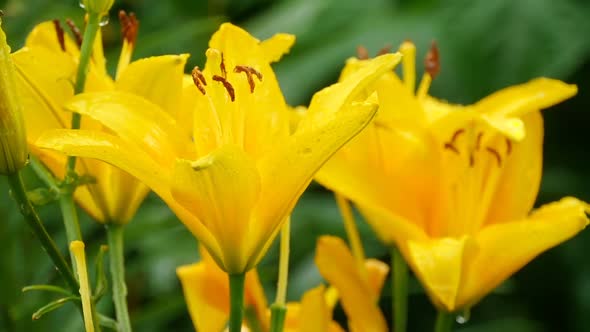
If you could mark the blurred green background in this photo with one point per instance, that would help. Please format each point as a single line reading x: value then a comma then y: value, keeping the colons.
x: 484, y: 45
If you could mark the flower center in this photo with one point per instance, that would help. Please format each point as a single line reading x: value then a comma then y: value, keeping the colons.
x: 200, y: 80
x: 472, y: 163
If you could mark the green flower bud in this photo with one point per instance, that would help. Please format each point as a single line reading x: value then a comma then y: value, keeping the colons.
x: 13, y: 140
x: 100, y: 7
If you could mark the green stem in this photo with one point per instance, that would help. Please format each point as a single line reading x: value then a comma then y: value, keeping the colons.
x: 85, y: 55
x: 117, y: 263
x: 236, y: 301
x: 70, y: 216
x: 31, y: 217
x: 277, y: 317
x: 444, y: 321
x: 278, y: 309
x: 399, y: 287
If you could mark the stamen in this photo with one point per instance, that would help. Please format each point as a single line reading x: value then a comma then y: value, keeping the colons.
x: 508, y: 146
x: 199, y: 79
x: 249, y: 71
x: 432, y: 61
x: 478, y: 141
x: 129, y: 26
x: 60, y: 34
x: 222, y: 67
x: 451, y: 147
x: 362, y: 53
x: 75, y: 31
x: 226, y: 85
x: 384, y: 50
x: 496, y: 154
x: 457, y: 134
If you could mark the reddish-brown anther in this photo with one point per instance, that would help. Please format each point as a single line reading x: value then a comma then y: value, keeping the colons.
x: 227, y: 85
x: 59, y: 31
x: 432, y: 61
x: 199, y: 79
x: 129, y: 26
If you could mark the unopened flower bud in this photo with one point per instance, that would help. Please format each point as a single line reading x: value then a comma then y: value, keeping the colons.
x: 100, y: 7
x: 13, y: 143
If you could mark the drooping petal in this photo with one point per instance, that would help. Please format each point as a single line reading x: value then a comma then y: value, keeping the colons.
x: 438, y: 264
x: 502, y: 249
x: 338, y: 267
x: 157, y: 79
x: 302, y: 154
x: 220, y: 190
x: 521, y: 174
x: 133, y: 160
x: 135, y: 119
x: 518, y: 100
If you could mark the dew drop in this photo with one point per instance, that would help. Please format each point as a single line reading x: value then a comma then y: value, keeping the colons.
x: 464, y: 316
x: 81, y: 3
x: 104, y: 21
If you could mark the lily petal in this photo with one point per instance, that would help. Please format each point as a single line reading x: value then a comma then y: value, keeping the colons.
x: 521, y: 175
x: 336, y: 96
x: 157, y: 79
x: 206, y: 292
x: 137, y: 120
x: 518, y: 100
x: 314, y: 314
x: 303, y: 153
x: 221, y: 190
x: 507, y: 247
x: 276, y: 46
x: 438, y: 264
x: 338, y: 267
x: 132, y: 159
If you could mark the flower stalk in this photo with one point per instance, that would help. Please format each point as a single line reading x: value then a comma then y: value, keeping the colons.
x: 90, y: 316
x: 444, y: 321
x: 278, y: 310
x: 399, y: 287
x: 236, y: 291
x: 32, y: 218
x: 117, y: 263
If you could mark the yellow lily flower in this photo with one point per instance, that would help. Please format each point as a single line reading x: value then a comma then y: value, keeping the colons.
x: 206, y: 290
x: 453, y: 186
x: 238, y: 177
x: 46, y: 67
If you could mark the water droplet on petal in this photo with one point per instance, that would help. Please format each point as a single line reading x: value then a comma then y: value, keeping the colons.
x: 104, y: 21
x: 464, y: 316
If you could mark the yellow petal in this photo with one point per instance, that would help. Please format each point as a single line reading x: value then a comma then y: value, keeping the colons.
x: 521, y: 174
x: 44, y: 35
x: 517, y: 100
x: 376, y: 273
x: 276, y: 46
x: 137, y: 120
x: 438, y: 264
x: 502, y: 249
x: 295, y: 162
x: 133, y: 160
x: 314, y: 314
x: 338, y: 267
x: 43, y: 78
x: 206, y: 292
x: 221, y: 190
x: 157, y: 79
x: 333, y: 98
